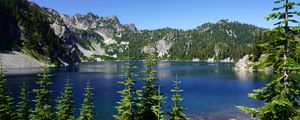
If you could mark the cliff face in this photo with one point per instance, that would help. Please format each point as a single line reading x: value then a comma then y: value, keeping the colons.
x: 37, y: 33
x: 96, y: 36
x: 52, y: 38
x: 107, y: 27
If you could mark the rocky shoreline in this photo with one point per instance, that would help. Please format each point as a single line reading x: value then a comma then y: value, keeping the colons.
x: 16, y: 59
x: 244, y: 64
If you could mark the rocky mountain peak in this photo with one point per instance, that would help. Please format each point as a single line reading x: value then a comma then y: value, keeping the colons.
x: 78, y: 15
x: 108, y: 24
x: 52, y: 11
x: 205, y: 27
x: 130, y: 27
x: 90, y: 15
x: 115, y: 18
x: 223, y: 21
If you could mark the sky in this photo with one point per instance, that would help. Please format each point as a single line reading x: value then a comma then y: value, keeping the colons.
x: 180, y: 14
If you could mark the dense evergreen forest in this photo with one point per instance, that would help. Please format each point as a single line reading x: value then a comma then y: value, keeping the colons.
x: 221, y: 40
x: 279, y: 48
x: 268, y: 52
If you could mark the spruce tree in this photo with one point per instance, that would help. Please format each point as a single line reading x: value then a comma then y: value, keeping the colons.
x: 86, y: 110
x: 149, y: 90
x: 6, y: 102
x: 127, y: 109
x: 156, y: 109
x: 177, y: 109
x: 42, y: 109
x: 64, y: 107
x: 281, y: 95
x: 22, y: 106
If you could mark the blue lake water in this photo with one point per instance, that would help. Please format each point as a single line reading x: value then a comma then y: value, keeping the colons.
x: 211, y: 90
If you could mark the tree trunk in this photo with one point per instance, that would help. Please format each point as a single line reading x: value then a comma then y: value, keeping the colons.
x: 286, y: 27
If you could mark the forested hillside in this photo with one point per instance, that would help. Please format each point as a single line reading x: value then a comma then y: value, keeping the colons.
x: 59, y: 39
x: 215, y: 41
x: 221, y: 40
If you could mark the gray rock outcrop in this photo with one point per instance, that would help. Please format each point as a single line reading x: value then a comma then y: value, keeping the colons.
x: 18, y: 60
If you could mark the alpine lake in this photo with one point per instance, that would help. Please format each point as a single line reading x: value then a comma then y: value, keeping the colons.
x: 211, y: 90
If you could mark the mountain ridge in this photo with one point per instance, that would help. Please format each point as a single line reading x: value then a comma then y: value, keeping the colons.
x: 89, y: 37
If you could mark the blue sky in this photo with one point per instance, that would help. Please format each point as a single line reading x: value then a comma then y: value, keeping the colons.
x: 182, y: 14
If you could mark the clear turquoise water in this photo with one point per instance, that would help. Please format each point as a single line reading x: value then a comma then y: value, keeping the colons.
x: 211, y: 91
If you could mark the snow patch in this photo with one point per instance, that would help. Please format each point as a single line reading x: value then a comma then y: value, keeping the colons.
x: 114, y: 56
x: 124, y: 43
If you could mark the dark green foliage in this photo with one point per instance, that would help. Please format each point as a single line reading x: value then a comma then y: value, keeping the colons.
x: 286, y: 7
x: 87, y: 107
x: 149, y: 91
x: 221, y: 40
x: 127, y: 109
x: 269, y: 48
x: 9, y: 27
x: 156, y: 109
x: 43, y: 108
x: 64, y: 107
x: 6, y: 102
x: 282, y: 95
x: 177, y: 109
x: 23, y: 106
x: 260, y: 44
x: 281, y: 102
